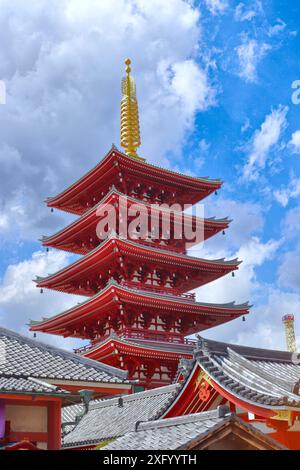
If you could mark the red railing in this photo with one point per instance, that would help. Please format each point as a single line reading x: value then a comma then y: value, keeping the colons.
x: 159, y: 290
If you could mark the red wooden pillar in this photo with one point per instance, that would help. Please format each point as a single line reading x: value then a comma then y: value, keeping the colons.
x: 54, y: 425
x: 2, y: 419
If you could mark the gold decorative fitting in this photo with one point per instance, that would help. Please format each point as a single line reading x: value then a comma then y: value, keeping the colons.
x: 130, y: 127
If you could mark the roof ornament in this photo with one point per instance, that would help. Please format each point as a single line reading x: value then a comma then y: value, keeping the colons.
x: 130, y: 127
x: 86, y: 396
x: 296, y: 388
x: 184, y: 367
x: 200, y: 343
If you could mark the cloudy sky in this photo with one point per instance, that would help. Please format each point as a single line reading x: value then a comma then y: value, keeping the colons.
x: 214, y: 81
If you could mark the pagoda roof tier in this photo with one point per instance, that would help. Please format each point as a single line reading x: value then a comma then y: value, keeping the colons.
x: 117, y: 346
x: 131, y: 176
x: 120, y: 307
x: 80, y: 236
x: 151, y: 363
x: 116, y: 256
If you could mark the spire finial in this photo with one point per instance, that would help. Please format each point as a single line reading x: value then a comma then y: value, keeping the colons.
x: 130, y: 128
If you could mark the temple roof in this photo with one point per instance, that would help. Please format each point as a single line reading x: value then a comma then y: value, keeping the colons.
x: 145, y: 347
x: 108, y: 419
x: 260, y: 377
x: 33, y: 366
x: 189, y: 432
x: 111, y: 296
x: 110, y: 250
x: 66, y: 238
x: 220, y: 349
x: 193, y: 189
x: 255, y: 375
x: 14, y: 384
x: 263, y: 378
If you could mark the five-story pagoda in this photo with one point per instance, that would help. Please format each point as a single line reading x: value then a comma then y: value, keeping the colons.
x: 138, y: 311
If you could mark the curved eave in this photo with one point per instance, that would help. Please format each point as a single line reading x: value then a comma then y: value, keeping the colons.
x: 253, y: 406
x: 113, y: 294
x: 188, y: 389
x: 253, y: 353
x: 120, y: 347
x: 129, y: 249
x: 90, y: 217
x: 126, y: 346
x: 136, y: 166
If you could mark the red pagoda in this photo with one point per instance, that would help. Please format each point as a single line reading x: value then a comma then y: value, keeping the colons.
x: 139, y: 312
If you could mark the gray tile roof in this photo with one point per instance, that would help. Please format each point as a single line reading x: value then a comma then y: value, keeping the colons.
x: 167, y: 434
x: 27, y: 358
x: 181, y: 432
x: 260, y: 376
x: 106, y: 419
x: 28, y: 385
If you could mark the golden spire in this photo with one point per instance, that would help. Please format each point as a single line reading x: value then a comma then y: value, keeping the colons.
x: 130, y: 128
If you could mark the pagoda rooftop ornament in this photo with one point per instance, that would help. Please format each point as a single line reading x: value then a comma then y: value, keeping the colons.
x: 130, y: 127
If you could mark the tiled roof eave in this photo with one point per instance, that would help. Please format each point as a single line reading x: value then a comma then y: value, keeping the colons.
x: 191, y: 262
x: 44, y: 362
x: 258, y: 403
x: 113, y: 286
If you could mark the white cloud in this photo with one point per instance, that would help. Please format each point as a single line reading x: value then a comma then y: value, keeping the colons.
x: 264, y: 326
x: 60, y: 119
x: 245, y: 126
x: 277, y: 28
x: 21, y: 300
x: 291, y: 223
x: 263, y: 141
x: 295, y: 142
x: 191, y: 86
x: 242, y: 13
x: 255, y: 253
x: 198, y: 155
x: 247, y: 221
x: 204, y: 146
x: 242, y: 241
x: 244, y: 285
x: 250, y: 53
x: 288, y: 272
x: 216, y: 7
x: 292, y: 191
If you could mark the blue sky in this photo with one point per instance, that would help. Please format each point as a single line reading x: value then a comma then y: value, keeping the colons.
x: 214, y: 82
